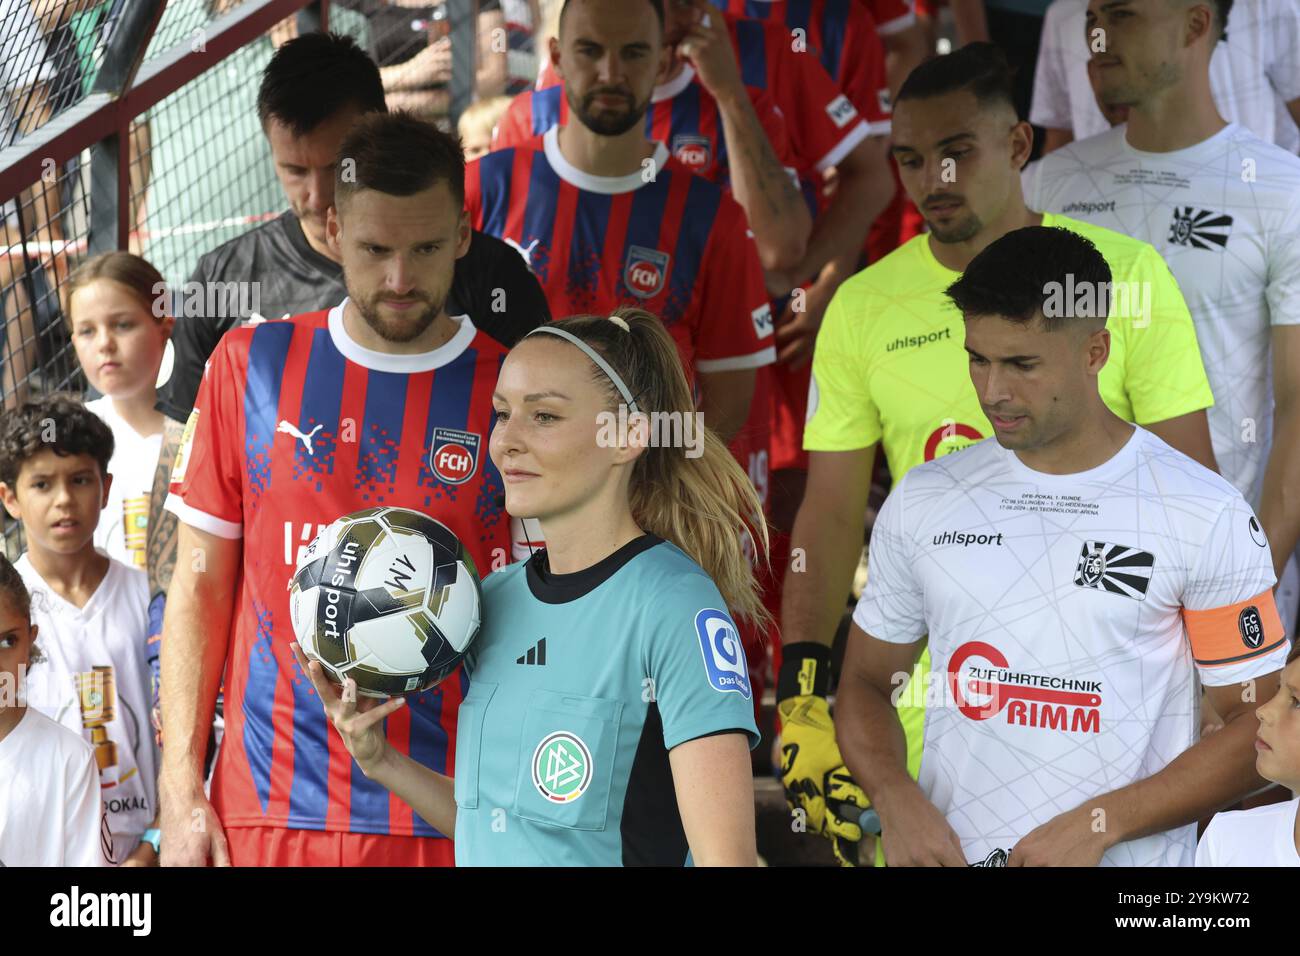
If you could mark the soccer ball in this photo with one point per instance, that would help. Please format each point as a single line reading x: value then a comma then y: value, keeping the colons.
x: 388, y: 597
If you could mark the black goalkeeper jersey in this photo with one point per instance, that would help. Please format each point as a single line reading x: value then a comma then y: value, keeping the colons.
x: 294, y: 278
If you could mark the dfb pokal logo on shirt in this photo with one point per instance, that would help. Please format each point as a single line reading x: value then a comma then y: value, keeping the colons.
x: 454, y: 455
x: 645, y: 272
x: 693, y: 151
x: 724, y: 657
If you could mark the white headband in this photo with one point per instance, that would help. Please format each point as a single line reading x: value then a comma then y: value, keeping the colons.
x: 591, y: 354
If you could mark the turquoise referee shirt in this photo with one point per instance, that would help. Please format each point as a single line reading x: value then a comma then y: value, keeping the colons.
x: 580, y: 684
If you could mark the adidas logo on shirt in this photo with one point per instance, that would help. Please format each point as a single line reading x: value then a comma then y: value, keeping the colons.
x: 536, y: 654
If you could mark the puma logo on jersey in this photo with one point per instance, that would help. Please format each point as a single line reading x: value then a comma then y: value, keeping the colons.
x: 1200, y: 228
x: 290, y: 429
x: 527, y: 253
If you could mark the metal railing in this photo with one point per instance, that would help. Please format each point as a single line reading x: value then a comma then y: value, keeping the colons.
x: 121, y: 131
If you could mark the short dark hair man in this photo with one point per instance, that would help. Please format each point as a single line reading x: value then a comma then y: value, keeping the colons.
x: 1074, y: 577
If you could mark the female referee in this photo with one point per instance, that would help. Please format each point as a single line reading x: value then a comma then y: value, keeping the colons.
x: 609, y: 718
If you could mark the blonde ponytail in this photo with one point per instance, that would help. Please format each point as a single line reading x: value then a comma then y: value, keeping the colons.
x: 707, y: 506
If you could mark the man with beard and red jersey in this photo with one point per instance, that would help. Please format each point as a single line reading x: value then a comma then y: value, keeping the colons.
x: 606, y: 217
x: 297, y: 423
x: 313, y: 90
x: 700, y: 107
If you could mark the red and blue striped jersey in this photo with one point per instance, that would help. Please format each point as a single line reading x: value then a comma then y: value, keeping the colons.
x: 296, y: 425
x: 682, y: 115
x: 846, y: 37
x: 671, y: 242
x: 843, y: 34
x: 822, y: 122
x: 892, y: 16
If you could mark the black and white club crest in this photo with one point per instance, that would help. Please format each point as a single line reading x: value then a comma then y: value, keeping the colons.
x: 1116, y: 568
x: 1200, y: 228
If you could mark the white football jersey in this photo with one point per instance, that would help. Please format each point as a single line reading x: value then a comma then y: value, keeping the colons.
x: 124, y: 523
x: 1254, y: 71
x: 1225, y: 214
x: 95, y: 681
x: 1068, y: 616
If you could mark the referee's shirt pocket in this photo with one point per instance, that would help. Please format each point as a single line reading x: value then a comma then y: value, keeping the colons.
x: 566, y: 760
x: 469, y: 742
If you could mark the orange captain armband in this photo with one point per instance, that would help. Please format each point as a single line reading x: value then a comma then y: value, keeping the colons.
x: 1235, y: 633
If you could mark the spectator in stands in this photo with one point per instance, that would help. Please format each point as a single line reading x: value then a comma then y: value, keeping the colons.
x: 50, y: 811
x: 27, y: 90
x: 117, y: 316
x: 92, y: 610
x: 1267, y: 835
x: 476, y: 124
x: 411, y: 42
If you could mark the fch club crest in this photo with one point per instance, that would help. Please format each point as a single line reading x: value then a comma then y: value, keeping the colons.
x: 645, y: 271
x: 693, y: 151
x: 453, y: 457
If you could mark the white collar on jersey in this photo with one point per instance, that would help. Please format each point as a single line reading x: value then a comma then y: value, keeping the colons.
x: 608, y: 185
x: 667, y: 91
x: 353, y: 351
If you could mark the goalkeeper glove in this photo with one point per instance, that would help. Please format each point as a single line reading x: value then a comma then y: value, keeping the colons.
x: 812, y: 770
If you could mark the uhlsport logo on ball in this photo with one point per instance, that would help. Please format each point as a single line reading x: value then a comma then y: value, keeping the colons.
x: 388, y: 597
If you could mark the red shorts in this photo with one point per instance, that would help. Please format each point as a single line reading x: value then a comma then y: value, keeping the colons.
x: 276, y: 846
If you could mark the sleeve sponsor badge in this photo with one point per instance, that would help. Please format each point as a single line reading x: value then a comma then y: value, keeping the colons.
x: 725, y: 665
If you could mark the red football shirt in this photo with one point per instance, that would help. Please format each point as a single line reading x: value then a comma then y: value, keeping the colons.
x: 822, y: 122
x: 682, y: 115
x: 844, y: 36
x: 296, y: 425
x: 672, y: 243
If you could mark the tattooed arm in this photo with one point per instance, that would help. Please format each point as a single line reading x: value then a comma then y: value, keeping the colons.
x: 160, y: 552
